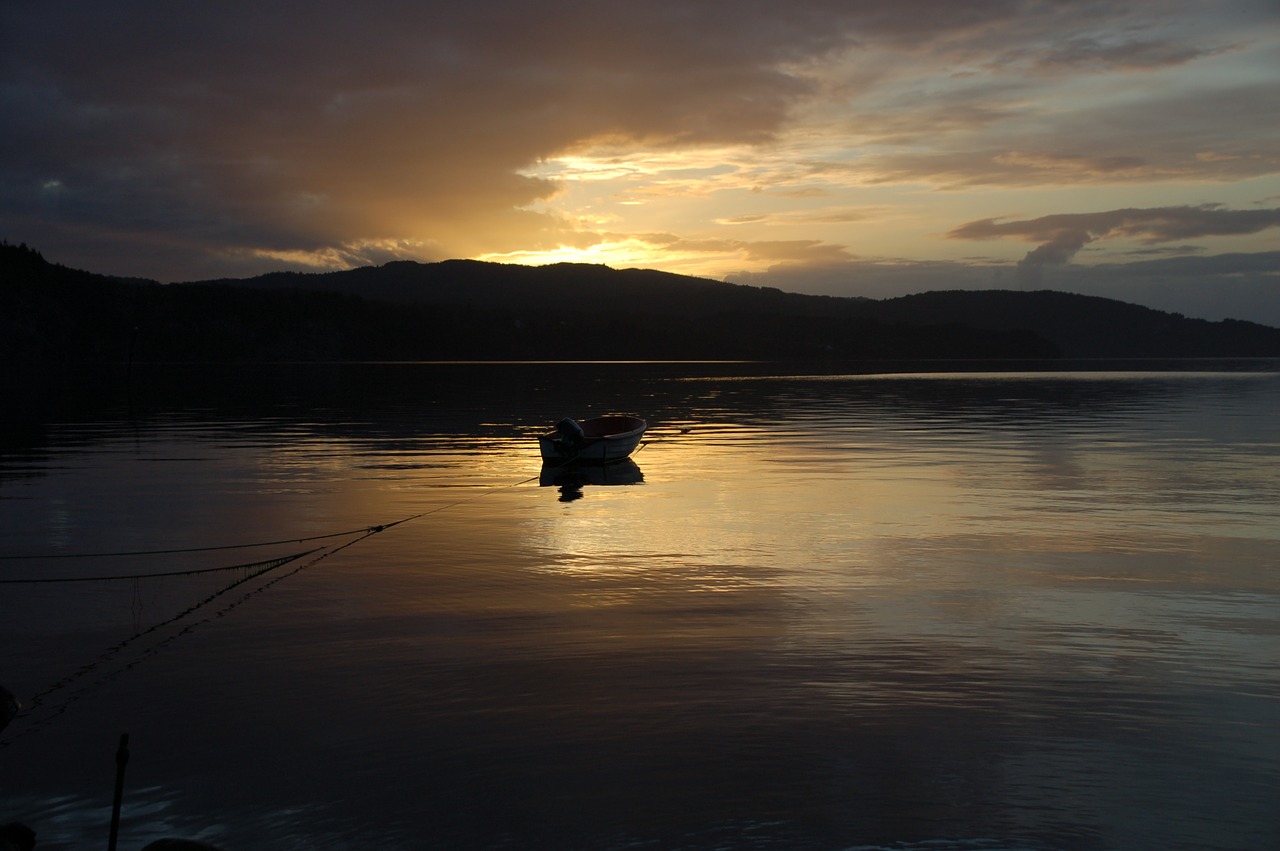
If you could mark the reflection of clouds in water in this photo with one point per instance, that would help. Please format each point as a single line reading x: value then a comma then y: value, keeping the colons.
x: 943, y: 601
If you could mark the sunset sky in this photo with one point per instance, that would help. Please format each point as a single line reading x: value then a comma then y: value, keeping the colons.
x: 1126, y: 149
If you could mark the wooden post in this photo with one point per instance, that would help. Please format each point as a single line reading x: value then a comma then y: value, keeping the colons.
x: 122, y: 759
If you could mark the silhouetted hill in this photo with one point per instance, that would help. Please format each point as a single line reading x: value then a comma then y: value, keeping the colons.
x: 472, y: 310
x: 571, y: 287
x: 1074, y: 325
x: 1085, y: 326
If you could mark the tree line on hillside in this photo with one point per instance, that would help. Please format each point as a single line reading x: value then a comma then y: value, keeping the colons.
x: 53, y: 315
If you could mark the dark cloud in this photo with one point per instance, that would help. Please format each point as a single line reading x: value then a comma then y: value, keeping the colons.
x: 1010, y: 134
x: 1183, y: 250
x: 298, y: 126
x: 1058, y: 251
x: 1153, y: 225
x: 1106, y: 54
x: 294, y: 125
x: 1063, y: 235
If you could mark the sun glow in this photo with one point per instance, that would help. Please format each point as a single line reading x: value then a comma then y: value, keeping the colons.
x: 619, y: 254
x: 615, y: 163
x: 609, y: 254
x: 659, y: 208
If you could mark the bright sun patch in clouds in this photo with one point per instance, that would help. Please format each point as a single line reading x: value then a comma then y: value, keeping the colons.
x: 629, y: 253
x: 623, y: 254
x: 632, y: 177
x: 812, y: 146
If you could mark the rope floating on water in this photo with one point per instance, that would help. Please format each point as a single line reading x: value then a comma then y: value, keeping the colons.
x: 181, y: 624
x: 365, y: 530
x: 40, y: 703
x: 265, y: 565
x: 194, y: 549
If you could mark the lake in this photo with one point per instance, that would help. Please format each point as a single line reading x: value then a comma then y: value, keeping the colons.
x: 339, y: 606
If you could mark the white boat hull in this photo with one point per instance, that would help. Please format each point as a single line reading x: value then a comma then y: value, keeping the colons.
x: 604, y: 439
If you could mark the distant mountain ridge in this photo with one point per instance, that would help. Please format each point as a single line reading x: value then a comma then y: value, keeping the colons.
x: 1077, y: 325
x: 479, y: 284
x: 463, y: 309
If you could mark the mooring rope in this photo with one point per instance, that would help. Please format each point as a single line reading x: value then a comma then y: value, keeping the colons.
x: 40, y: 700
x: 456, y: 503
x: 187, y: 549
x: 302, y: 540
x: 365, y: 530
x: 253, y: 570
x: 275, y: 562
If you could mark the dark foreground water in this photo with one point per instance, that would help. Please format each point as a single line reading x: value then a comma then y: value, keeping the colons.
x: 928, y: 611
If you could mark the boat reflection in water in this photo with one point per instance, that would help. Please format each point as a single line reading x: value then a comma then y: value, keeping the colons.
x: 571, y: 478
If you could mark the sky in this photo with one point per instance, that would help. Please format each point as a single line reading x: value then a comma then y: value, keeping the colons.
x: 845, y: 147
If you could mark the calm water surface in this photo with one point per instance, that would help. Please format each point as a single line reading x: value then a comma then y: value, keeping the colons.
x: 922, y: 611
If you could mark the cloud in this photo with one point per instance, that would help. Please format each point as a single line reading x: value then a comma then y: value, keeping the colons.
x: 1153, y: 225
x: 791, y: 252
x: 1003, y: 123
x: 1058, y: 251
x: 1092, y: 52
x: 1183, y: 250
x: 1063, y: 235
x: 303, y: 127
x: 815, y: 216
x: 800, y: 251
x: 189, y: 140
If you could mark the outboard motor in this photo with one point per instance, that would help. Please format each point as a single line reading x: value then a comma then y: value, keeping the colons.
x: 571, y: 434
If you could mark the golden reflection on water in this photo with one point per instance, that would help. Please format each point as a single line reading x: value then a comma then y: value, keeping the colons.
x: 944, y: 592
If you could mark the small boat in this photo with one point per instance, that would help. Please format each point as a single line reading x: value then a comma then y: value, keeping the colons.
x: 596, y: 440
